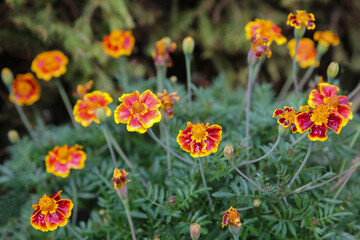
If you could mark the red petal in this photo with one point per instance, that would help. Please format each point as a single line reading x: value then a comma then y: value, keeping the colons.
x: 328, y: 90
x: 277, y: 112
x: 54, y: 219
x: 318, y: 133
x: 65, y: 206
x: 122, y: 114
x: 184, y: 141
x: 293, y: 127
x: 225, y: 221
x: 198, y: 149
x: 38, y: 222
x: 134, y: 125
x: 315, y: 98
x: 130, y: 98
x: 56, y: 196
x: 214, y: 131
x: 149, y: 118
x: 283, y: 122
x: 346, y: 112
x: 344, y: 100
x: 150, y: 100
x: 303, y: 122
x: 335, y: 122
x: 211, y: 144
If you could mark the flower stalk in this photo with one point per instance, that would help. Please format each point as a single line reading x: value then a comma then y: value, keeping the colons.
x: 204, y: 180
x: 124, y: 75
x: 188, y: 78
x: 295, y: 66
x: 66, y: 100
x: 127, y: 211
x: 108, y: 142
x: 72, y: 230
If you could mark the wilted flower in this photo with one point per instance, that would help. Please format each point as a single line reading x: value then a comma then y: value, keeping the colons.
x: 119, y: 179
x: 118, y: 43
x: 229, y: 151
x: 260, y: 45
x: 326, y: 38
x: 83, y: 89
x: 139, y: 112
x: 25, y: 89
x: 51, y: 212
x: 286, y: 117
x: 199, y: 139
x: 231, y: 217
x: 306, y: 53
x: 301, y: 19
x: 85, y: 109
x: 161, y: 53
x: 167, y: 102
x: 49, y: 64
x: 266, y: 29
x: 61, y: 160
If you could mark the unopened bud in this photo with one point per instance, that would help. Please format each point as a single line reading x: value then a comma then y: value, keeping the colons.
x: 188, y: 45
x: 256, y: 203
x: 156, y: 236
x: 283, y: 131
x: 333, y: 70
x: 167, y: 41
x: 13, y: 136
x: 171, y: 200
x: 100, y: 114
x: 173, y: 79
x: 7, y: 76
x: 229, y: 152
x: 102, y: 211
x: 195, y: 231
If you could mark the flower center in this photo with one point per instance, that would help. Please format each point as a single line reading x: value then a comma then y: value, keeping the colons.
x: 320, y: 114
x: 47, y: 204
x: 332, y: 102
x: 138, y: 108
x: 199, y: 132
x: 64, y: 155
x: 23, y: 88
x: 289, y: 115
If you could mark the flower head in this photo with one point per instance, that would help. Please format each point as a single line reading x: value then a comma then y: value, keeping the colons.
x: 200, y: 139
x: 25, y: 89
x: 51, y: 212
x: 326, y: 95
x: 118, y: 43
x: 119, y: 178
x: 85, y: 109
x: 326, y: 38
x: 260, y: 45
x: 286, y: 117
x: 306, y: 53
x: 139, y: 112
x: 301, y: 18
x: 161, y: 53
x: 49, y: 64
x: 266, y: 29
x: 61, y: 160
x: 167, y: 102
x: 83, y: 89
x: 231, y: 217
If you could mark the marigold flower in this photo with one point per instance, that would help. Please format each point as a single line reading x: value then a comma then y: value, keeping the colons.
x: 260, y: 45
x: 85, y: 109
x: 286, y: 117
x: 318, y: 120
x: 161, y: 52
x: 83, y: 89
x: 326, y: 95
x: 231, y: 217
x: 25, y: 89
x: 266, y: 29
x: 118, y: 43
x: 167, y: 102
x: 49, y: 64
x: 51, y: 212
x: 199, y: 139
x: 139, y: 112
x: 119, y: 178
x: 306, y: 53
x: 301, y: 18
x: 326, y: 38
x: 61, y: 160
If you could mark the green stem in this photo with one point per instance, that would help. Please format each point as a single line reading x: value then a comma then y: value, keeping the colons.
x: 167, y: 142
x: 74, y: 232
x: 278, y: 141
x: 236, y: 237
x: 204, y: 181
x: 248, y: 98
x: 299, y: 139
x: 108, y: 141
x: 127, y: 210
x: 295, y: 68
x: 75, y: 199
x: 311, y: 144
x: 188, y: 77
x: 66, y: 100
x: 39, y: 119
x: 160, y: 77
x: 156, y: 139
x: 26, y: 123
x: 309, y: 71
x: 285, y: 88
x: 119, y: 150
x: 246, y: 177
x: 124, y: 75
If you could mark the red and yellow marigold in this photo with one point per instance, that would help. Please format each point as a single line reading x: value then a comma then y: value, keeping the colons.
x: 85, y: 109
x: 118, y: 43
x: 231, y: 217
x: 306, y: 53
x: 326, y: 38
x: 50, y: 64
x: 119, y: 178
x: 199, y: 139
x: 161, y: 53
x: 25, y: 89
x: 326, y: 94
x: 301, y: 19
x: 61, y: 160
x: 266, y: 29
x: 260, y: 46
x: 167, y: 102
x: 51, y: 212
x: 139, y: 112
x: 286, y: 117
x: 83, y: 89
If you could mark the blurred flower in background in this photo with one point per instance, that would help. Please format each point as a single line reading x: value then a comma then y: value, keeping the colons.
x: 25, y: 89
x: 118, y: 43
x: 50, y: 64
x: 306, y: 53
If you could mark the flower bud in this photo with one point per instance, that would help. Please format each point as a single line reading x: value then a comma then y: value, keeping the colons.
x: 256, y: 203
x: 156, y: 236
x: 333, y: 70
x: 188, y: 45
x: 7, y: 76
x: 283, y: 131
x: 171, y: 200
x: 13, y: 136
x: 299, y: 33
x: 173, y: 79
x: 235, y: 230
x: 229, y: 152
x: 100, y: 114
x: 195, y: 231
